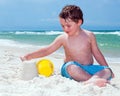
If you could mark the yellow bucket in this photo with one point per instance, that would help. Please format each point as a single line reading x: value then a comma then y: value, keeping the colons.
x: 45, y: 67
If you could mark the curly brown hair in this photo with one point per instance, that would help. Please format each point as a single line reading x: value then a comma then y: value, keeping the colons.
x: 72, y: 12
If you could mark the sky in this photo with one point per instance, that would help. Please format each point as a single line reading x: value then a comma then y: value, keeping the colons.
x: 43, y: 14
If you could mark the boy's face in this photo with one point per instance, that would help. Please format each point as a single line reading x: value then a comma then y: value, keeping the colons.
x: 69, y: 26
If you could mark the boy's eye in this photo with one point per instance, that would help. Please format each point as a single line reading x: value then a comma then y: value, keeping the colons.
x: 68, y: 25
x: 62, y: 26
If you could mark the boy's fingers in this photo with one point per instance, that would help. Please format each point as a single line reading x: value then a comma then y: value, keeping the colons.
x: 22, y: 58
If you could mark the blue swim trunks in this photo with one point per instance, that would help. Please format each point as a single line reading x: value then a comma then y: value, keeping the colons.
x: 91, y: 69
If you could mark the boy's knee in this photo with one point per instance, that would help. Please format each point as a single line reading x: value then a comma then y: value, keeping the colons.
x: 77, y: 73
x: 105, y: 73
x: 72, y: 68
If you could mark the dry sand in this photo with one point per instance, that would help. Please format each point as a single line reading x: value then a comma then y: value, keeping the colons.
x: 21, y: 79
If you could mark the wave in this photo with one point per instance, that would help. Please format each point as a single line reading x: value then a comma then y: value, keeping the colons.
x: 56, y: 32
x: 12, y: 43
x: 40, y: 33
x: 108, y: 33
x: 6, y: 42
x: 33, y: 32
x: 21, y: 44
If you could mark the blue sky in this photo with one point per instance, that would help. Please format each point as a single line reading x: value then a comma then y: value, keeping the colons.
x: 43, y: 14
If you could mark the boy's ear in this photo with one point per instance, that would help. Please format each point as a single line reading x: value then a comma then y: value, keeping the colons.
x: 80, y: 22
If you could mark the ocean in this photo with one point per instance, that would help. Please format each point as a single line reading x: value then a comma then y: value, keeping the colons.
x: 108, y: 40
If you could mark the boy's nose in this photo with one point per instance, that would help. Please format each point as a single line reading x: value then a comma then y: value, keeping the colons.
x: 66, y: 29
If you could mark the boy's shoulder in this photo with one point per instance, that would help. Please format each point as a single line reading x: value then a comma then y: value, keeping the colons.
x: 89, y: 33
x: 62, y: 36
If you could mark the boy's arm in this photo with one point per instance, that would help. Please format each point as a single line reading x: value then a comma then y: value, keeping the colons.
x: 97, y: 53
x: 57, y: 43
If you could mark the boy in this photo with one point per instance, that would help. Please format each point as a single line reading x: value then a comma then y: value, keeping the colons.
x: 80, y: 46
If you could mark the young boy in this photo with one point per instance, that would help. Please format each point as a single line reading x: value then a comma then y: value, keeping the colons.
x: 80, y: 46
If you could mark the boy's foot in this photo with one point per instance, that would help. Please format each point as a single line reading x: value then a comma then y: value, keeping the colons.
x: 98, y: 81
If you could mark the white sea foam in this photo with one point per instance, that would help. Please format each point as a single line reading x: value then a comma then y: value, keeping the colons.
x: 12, y: 43
x: 55, y: 32
x: 108, y: 33
x: 38, y: 33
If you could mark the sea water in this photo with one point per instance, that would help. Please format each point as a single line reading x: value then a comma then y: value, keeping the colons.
x: 108, y: 40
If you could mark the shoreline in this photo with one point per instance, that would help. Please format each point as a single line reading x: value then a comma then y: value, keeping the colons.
x: 110, y: 57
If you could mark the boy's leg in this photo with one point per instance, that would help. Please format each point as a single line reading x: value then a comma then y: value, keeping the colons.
x: 97, y: 75
x: 105, y: 73
x: 100, y: 78
x: 78, y: 73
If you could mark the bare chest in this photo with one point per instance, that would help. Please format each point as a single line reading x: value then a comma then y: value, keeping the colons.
x: 77, y: 50
x: 77, y: 45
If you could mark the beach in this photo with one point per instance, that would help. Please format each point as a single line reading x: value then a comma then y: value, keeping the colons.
x: 19, y: 78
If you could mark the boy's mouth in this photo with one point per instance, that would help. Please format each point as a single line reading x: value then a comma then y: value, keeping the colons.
x: 67, y: 32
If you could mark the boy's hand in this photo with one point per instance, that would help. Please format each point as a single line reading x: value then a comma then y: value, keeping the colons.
x: 26, y: 57
x: 23, y: 58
